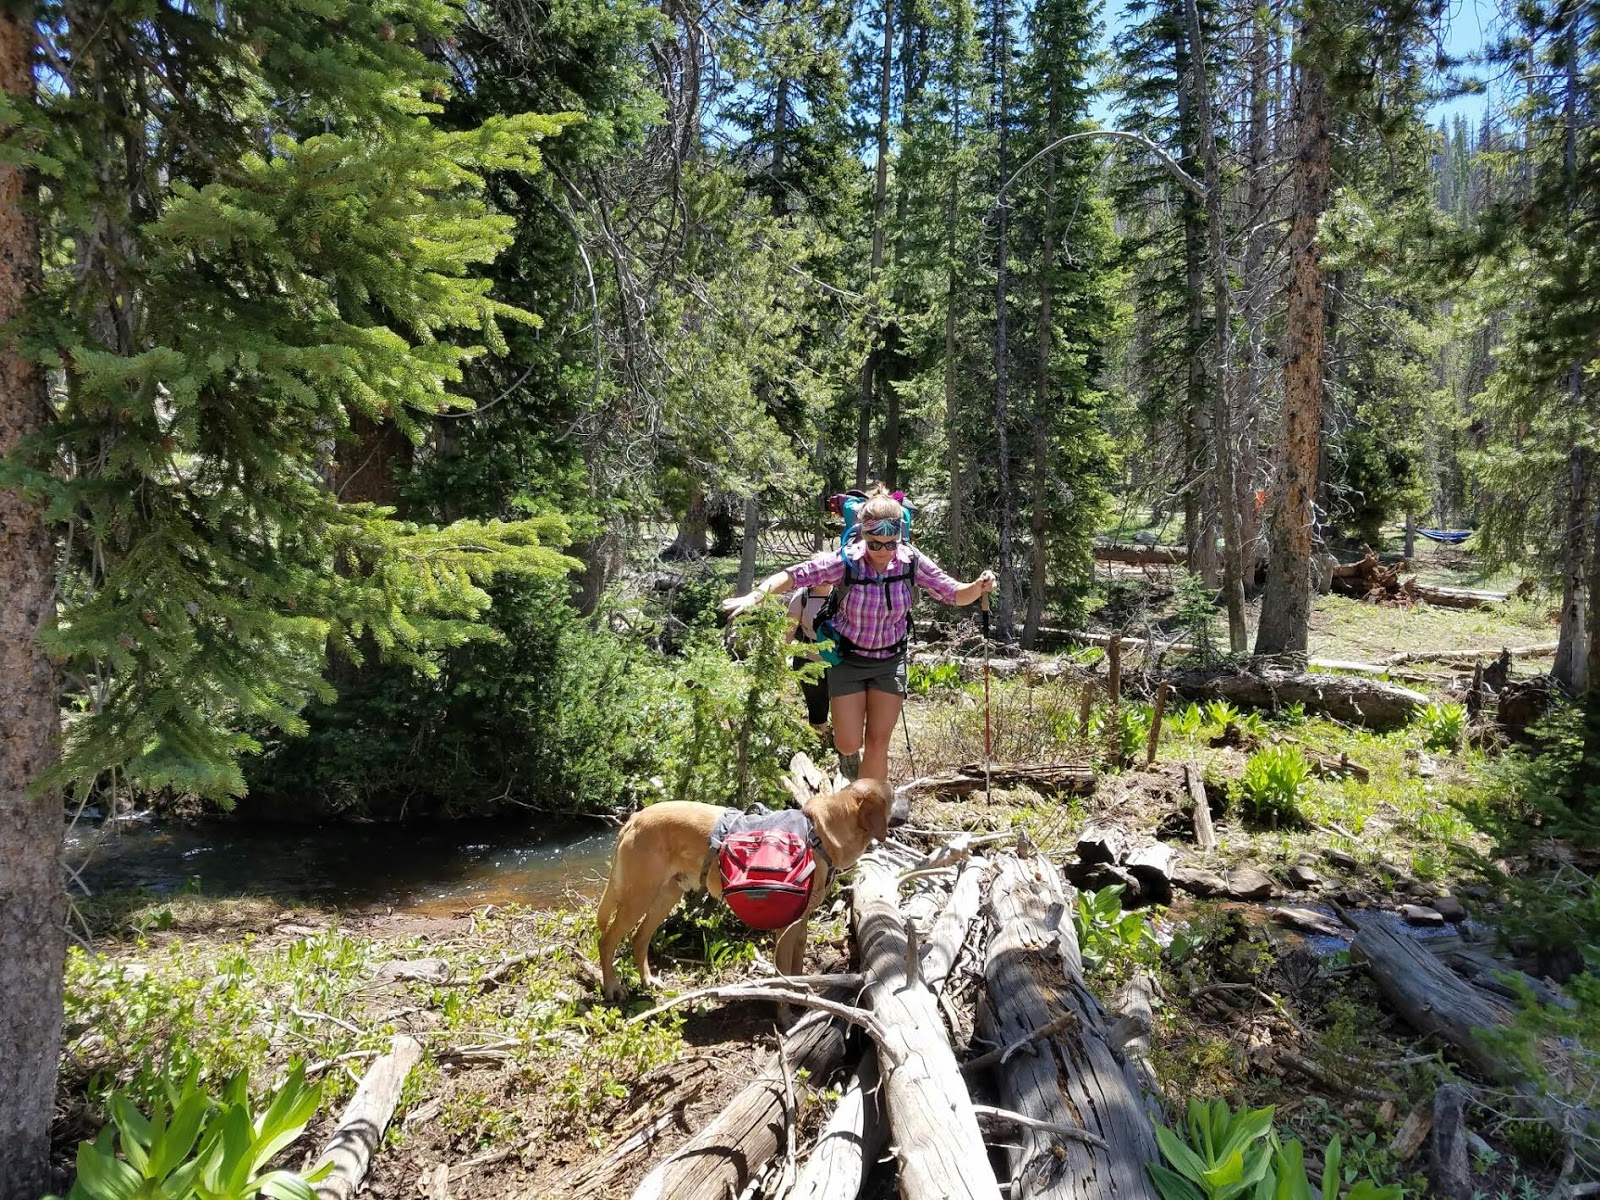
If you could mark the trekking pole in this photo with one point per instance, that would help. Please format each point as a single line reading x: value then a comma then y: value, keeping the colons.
x: 906, y: 729
x: 988, y: 732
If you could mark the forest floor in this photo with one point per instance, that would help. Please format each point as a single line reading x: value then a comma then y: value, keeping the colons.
x: 530, y: 1083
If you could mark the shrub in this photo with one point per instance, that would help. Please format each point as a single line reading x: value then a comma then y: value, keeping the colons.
x: 923, y: 678
x: 1275, y: 781
x: 1442, y: 726
x: 1106, y: 933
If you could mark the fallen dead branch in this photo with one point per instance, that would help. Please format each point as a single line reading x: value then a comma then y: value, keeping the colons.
x: 360, y: 1129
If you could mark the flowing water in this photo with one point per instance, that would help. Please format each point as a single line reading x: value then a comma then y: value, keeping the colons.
x: 436, y: 869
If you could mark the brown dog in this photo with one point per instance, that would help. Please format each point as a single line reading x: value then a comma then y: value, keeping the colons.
x: 664, y: 851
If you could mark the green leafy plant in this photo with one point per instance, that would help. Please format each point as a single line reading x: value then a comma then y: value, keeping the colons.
x: 1219, y: 713
x: 923, y: 678
x: 192, y: 1147
x: 1220, y: 1154
x: 1275, y: 781
x: 1187, y: 721
x: 1133, y: 730
x: 1197, y: 610
x: 1106, y: 933
x: 1442, y: 726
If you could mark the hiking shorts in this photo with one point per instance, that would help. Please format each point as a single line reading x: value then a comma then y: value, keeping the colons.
x: 858, y: 674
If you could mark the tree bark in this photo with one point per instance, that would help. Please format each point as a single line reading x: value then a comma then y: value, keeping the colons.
x: 932, y: 1127
x: 1033, y: 974
x: 750, y: 546
x: 33, y: 898
x: 722, y: 1158
x: 691, y: 539
x: 1199, y: 508
x: 1284, y: 628
x: 880, y: 193
x: 1571, y: 668
x: 1225, y: 489
x: 1005, y: 598
x: 1041, y: 390
x: 360, y: 1130
x: 1370, y: 702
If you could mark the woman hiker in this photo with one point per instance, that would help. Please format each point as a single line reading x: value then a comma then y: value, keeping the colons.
x: 875, y: 576
x: 804, y: 606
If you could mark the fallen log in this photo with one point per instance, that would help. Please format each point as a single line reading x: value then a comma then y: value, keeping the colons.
x: 1450, y: 1171
x: 1450, y: 597
x: 722, y: 1158
x: 1361, y: 701
x: 360, y: 1129
x: 850, y: 1142
x: 1033, y: 975
x: 1467, y: 657
x: 1205, y: 834
x: 1433, y: 999
x: 1072, y: 779
x: 932, y: 1127
x: 1141, y: 556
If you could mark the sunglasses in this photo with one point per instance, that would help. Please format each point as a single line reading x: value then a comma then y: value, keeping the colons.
x: 875, y: 544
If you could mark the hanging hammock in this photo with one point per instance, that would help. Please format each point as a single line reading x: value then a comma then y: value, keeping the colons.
x: 1450, y: 537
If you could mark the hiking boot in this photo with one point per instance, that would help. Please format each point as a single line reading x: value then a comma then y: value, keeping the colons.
x: 850, y: 766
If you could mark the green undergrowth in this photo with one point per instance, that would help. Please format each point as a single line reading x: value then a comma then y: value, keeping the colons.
x: 161, y: 1006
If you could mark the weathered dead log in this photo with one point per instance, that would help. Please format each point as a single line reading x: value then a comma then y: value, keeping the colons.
x: 1360, y: 701
x: 1449, y: 597
x: 1033, y: 975
x: 1490, y: 974
x: 723, y: 1157
x: 850, y: 1142
x: 1466, y: 657
x: 949, y: 932
x: 1205, y: 834
x: 1141, y: 556
x: 1073, y: 779
x: 1133, y: 1006
x: 1433, y: 999
x: 1325, y: 766
x: 360, y: 1129
x: 1450, y: 1172
x: 932, y: 1126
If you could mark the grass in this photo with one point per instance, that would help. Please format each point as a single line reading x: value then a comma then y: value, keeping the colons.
x: 1353, y: 629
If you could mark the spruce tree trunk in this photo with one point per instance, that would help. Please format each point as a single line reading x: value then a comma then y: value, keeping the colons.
x: 1222, y: 423
x: 691, y: 539
x: 752, y: 543
x: 1041, y: 388
x: 1006, y: 593
x: 1255, y: 287
x: 952, y: 423
x: 33, y: 898
x: 1571, y: 667
x: 1286, y: 604
x: 1199, y: 509
x: 872, y: 371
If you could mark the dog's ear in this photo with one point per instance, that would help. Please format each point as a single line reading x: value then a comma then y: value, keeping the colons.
x: 873, y: 801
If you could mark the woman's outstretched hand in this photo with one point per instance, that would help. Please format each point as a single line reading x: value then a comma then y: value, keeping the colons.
x: 736, y: 606
x: 986, y: 583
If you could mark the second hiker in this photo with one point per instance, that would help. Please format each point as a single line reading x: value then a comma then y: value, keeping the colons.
x: 868, y: 617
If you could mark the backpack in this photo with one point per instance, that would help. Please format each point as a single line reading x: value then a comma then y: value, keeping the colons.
x: 833, y: 645
x: 766, y: 876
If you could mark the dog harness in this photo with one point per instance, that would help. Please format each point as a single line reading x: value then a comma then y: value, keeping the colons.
x: 767, y: 861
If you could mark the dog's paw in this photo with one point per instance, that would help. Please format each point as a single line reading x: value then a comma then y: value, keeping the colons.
x: 613, y: 993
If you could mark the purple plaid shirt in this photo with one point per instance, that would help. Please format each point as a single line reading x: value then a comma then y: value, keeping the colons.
x: 866, y: 616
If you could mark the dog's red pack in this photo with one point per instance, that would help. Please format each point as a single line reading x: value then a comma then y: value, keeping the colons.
x: 766, y: 876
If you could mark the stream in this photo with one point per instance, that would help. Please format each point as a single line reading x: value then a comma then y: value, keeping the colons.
x: 431, y: 870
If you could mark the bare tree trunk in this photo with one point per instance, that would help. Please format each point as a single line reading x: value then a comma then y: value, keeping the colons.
x: 871, y: 372
x: 1006, y: 594
x: 33, y: 899
x: 691, y: 539
x: 1256, y: 288
x: 1041, y: 389
x: 1572, y: 651
x: 1286, y: 605
x: 1222, y: 421
x: 1572, y: 647
x: 1199, y: 509
x: 752, y: 541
